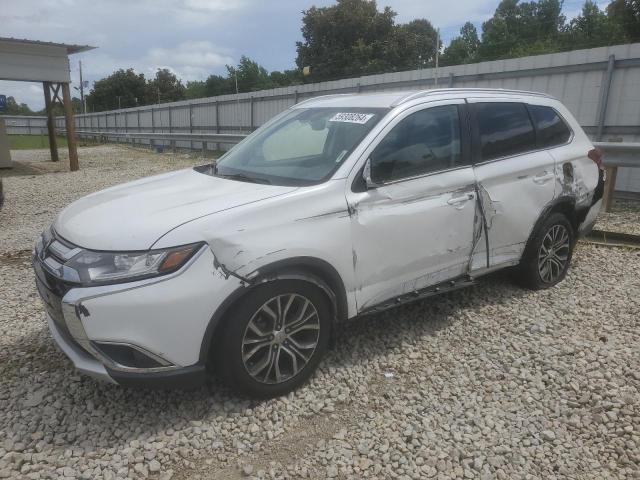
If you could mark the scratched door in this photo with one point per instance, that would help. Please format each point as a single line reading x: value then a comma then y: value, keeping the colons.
x: 415, y: 228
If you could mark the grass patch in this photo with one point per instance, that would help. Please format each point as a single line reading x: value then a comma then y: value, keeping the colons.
x: 30, y: 142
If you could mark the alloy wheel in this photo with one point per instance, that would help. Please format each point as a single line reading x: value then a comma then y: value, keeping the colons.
x: 280, y: 338
x: 554, y: 253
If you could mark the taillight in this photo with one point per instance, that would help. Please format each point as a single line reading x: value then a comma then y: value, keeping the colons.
x: 595, y: 154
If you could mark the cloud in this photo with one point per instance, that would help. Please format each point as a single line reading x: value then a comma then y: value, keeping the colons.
x: 24, y: 92
x: 194, y: 60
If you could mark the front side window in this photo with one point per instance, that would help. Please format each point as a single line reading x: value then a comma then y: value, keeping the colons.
x: 303, y: 147
x: 505, y: 129
x: 424, y: 142
x: 550, y: 127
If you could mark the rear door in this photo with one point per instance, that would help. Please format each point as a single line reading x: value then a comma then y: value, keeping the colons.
x: 516, y: 179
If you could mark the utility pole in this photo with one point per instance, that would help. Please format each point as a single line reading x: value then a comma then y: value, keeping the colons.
x: 82, y: 102
x: 435, y: 82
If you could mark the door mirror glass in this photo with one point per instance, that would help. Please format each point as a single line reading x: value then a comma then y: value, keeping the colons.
x: 366, y: 175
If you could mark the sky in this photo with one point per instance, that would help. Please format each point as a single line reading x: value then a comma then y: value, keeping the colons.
x: 195, y: 38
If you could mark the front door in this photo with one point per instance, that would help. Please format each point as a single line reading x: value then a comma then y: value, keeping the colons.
x: 415, y: 227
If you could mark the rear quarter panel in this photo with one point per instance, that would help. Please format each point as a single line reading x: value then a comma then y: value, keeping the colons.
x: 576, y: 173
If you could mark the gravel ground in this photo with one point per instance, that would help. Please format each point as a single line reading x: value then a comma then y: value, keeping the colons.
x: 624, y: 217
x: 488, y: 382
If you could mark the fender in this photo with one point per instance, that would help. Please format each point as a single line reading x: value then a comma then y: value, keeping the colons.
x: 564, y: 204
x: 308, y: 269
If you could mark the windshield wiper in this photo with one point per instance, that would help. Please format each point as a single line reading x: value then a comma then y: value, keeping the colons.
x: 238, y: 176
x: 241, y: 177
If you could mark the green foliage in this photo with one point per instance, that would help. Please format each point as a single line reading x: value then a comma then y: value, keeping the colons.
x: 195, y: 89
x: 15, y: 108
x: 626, y: 14
x: 30, y: 142
x: 592, y: 28
x: 353, y: 38
x: 521, y: 28
x: 165, y: 87
x: 346, y: 39
x: 129, y: 86
x: 286, y: 78
x: 464, y: 48
x: 249, y: 76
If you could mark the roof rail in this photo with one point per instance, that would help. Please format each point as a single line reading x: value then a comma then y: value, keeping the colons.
x: 426, y: 93
x: 331, y: 95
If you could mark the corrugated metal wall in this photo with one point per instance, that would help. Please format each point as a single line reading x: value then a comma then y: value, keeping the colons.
x: 17, y: 124
x: 600, y: 86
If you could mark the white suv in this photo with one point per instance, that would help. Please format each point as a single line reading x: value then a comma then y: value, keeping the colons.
x: 341, y: 206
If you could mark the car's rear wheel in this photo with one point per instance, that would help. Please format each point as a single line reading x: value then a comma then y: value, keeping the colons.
x: 274, y: 338
x: 548, y: 255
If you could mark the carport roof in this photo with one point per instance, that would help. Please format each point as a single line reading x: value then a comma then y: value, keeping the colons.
x: 71, y: 49
x: 25, y: 60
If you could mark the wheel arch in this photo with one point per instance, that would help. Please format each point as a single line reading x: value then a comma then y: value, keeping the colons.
x: 565, y: 205
x: 308, y: 269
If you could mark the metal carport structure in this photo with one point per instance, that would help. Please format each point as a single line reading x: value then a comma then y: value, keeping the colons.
x: 46, y: 62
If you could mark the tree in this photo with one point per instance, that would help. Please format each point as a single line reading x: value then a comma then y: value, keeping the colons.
x: 15, y: 108
x: 626, y: 14
x: 218, y: 85
x: 413, y: 45
x: 195, y: 89
x: 165, y: 87
x: 249, y: 76
x: 518, y: 29
x: 346, y: 39
x: 462, y: 49
x: 286, y: 78
x: 592, y: 29
x: 123, y: 87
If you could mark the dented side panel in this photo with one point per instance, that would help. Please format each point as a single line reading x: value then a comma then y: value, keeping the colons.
x: 310, y: 222
x: 514, y: 191
x: 411, y: 234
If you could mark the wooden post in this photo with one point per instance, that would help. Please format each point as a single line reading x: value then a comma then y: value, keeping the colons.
x: 71, y: 128
x: 51, y: 127
x: 609, y: 188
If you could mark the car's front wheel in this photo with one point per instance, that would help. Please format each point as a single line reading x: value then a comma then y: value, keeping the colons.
x: 274, y: 338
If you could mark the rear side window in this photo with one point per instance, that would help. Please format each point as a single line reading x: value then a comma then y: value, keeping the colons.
x: 551, y: 128
x: 505, y: 129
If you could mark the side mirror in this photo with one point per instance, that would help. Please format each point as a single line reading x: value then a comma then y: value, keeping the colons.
x: 366, y: 175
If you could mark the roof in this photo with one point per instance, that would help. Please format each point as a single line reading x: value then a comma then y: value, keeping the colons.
x: 392, y: 99
x: 71, y: 49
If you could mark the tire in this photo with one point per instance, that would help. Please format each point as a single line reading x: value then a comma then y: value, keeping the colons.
x: 540, y: 267
x: 244, y: 348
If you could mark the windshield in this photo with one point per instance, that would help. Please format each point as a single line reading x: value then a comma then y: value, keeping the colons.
x: 303, y: 147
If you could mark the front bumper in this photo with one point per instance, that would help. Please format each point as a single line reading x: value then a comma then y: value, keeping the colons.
x: 185, y: 377
x: 83, y: 362
x: 160, y: 321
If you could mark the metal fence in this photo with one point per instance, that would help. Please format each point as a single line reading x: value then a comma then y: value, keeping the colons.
x: 21, y: 125
x: 600, y: 86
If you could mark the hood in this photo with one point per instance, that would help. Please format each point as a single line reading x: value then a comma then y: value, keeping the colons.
x: 134, y: 215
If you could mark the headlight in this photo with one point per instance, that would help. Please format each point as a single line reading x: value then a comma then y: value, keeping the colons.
x: 107, y: 267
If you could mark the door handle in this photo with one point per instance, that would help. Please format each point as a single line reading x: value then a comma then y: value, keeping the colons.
x: 459, y: 202
x: 543, y: 177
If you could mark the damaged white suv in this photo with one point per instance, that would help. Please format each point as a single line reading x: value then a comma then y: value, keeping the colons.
x: 341, y: 206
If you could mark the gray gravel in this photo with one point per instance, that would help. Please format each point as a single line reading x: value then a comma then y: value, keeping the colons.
x: 488, y: 382
x: 624, y: 217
